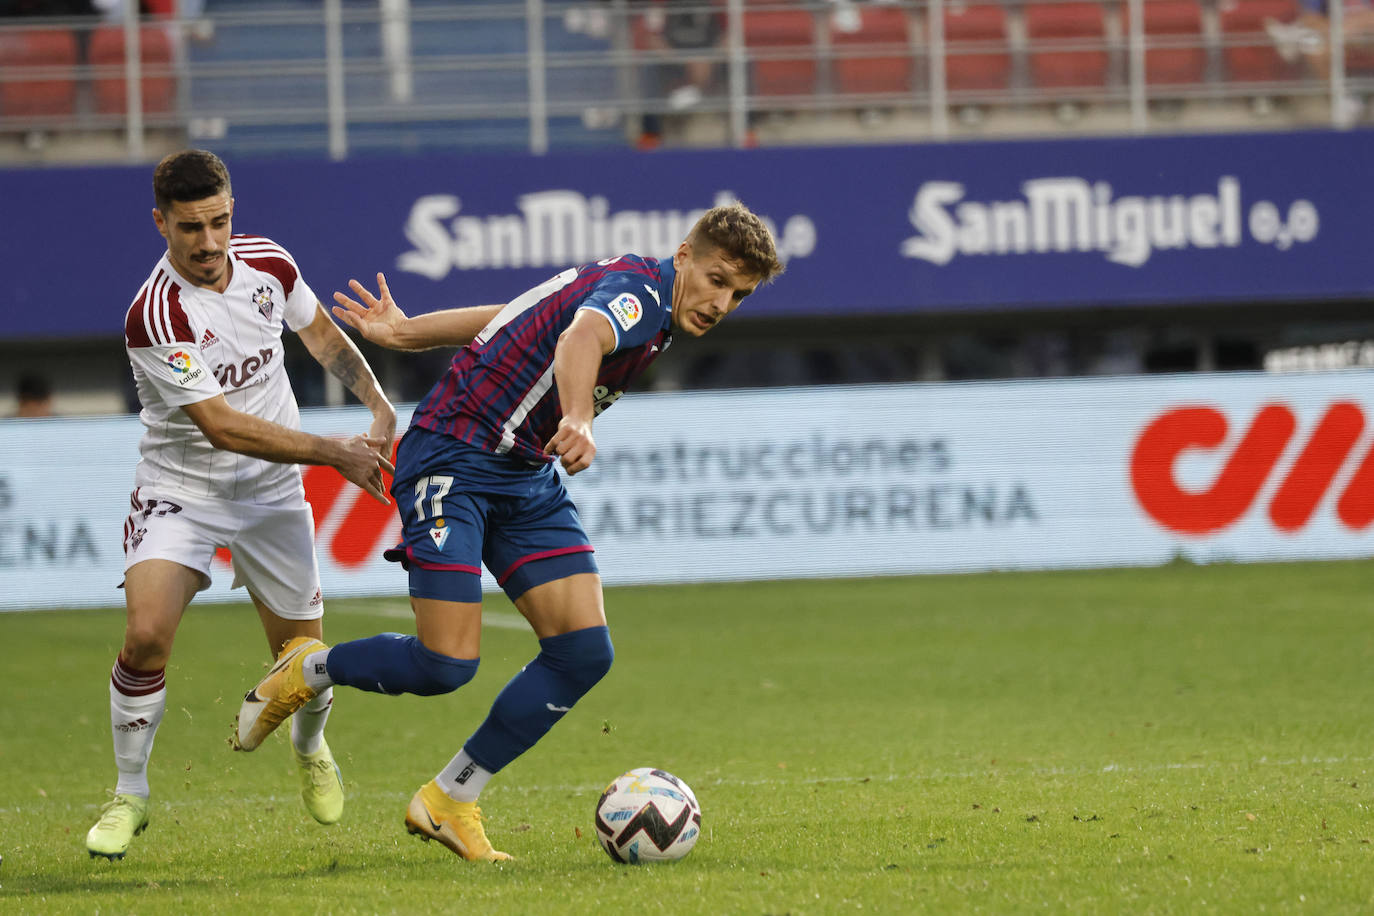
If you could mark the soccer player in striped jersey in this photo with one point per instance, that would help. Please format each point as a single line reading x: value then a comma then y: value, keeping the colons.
x: 475, y: 483
x: 219, y: 467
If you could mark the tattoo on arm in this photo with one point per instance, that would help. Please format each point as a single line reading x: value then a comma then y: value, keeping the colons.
x: 345, y: 364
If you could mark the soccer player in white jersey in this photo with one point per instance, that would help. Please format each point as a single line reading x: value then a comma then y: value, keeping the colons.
x: 219, y: 467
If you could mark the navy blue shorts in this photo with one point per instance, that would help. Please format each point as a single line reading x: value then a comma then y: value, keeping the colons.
x: 461, y: 506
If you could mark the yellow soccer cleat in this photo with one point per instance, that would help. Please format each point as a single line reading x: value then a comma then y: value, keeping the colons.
x: 121, y: 819
x: 321, y: 784
x: 432, y: 815
x: 278, y: 695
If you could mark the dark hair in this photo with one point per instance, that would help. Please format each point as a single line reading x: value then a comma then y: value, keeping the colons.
x: 33, y: 387
x: 741, y: 236
x: 192, y: 174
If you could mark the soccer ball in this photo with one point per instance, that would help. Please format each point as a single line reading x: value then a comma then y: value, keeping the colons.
x: 647, y: 815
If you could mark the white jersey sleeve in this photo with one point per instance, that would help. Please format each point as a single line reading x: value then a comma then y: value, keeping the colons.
x: 162, y: 348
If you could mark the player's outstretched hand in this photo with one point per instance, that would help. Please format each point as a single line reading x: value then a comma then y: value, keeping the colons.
x: 361, y: 464
x: 378, y: 318
x: 573, y: 444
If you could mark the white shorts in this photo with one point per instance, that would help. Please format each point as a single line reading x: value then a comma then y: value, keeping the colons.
x: 272, y: 547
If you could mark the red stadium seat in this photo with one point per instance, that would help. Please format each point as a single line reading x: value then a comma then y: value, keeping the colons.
x: 977, y: 57
x: 786, y: 39
x: 1248, y: 52
x: 37, y: 73
x: 1359, y: 60
x: 875, y: 57
x: 1178, y: 22
x: 1081, y: 25
x: 155, y: 53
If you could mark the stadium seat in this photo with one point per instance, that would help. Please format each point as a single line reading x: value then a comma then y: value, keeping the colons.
x: 1248, y: 53
x: 1359, y: 60
x: 784, y: 41
x: 155, y: 54
x: 1177, y: 23
x: 876, y: 56
x: 37, y: 73
x: 977, y: 56
x: 1067, y: 45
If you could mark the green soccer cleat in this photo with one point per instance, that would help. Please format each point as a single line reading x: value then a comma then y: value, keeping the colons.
x: 432, y: 815
x: 278, y: 695
x: 321, y: 784
x: 121, y: 819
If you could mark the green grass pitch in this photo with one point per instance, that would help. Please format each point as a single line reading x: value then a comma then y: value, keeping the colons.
x: 1173, y: 740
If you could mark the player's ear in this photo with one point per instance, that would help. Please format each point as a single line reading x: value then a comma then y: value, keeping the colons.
x: 682, y: 255
x: 160, y: 222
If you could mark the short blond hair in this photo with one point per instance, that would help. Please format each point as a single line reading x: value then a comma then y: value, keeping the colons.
x: 741, y: 237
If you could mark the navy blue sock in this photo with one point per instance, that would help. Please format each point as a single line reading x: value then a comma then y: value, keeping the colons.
x: 392, y: 663
x: 566, y: 667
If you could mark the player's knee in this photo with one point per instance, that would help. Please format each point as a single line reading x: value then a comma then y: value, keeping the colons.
x: 599, y: 659
x: 582, y: 656
x: 438, y: 673
x: 146, y: 648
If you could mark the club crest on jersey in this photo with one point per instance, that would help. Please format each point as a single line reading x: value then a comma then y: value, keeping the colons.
x: 185, y: 370
x: 626, y: 310
x: 438, y: 534
x: 262, y: 298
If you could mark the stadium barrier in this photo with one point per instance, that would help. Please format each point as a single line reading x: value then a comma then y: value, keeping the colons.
x: 823, y: 482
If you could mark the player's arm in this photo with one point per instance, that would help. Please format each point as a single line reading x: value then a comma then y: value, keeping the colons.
x: 356, y: 458
x: 333, y: 350
x: 380, y: 320
x: 576, y: 361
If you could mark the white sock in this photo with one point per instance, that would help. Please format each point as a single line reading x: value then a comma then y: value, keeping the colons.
x: 463, y: 780
x: 316, y: 674
x: 137, y: 701
x: 307, y: 725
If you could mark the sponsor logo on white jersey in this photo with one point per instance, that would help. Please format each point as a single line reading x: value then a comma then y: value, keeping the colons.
x: 208, y: 340
x: 184, y: 368
x: 262, y: 298
x: 626, y: 310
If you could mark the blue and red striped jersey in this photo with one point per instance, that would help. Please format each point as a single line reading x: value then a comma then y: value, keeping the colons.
x: 499, y: 392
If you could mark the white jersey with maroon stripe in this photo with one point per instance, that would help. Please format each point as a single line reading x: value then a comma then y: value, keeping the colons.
x: 188, y: 344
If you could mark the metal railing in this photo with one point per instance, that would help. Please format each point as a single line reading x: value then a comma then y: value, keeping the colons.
x: 347, y: 78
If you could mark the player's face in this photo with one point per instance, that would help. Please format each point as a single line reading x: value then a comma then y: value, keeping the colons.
x: 197, y: 234
x: 709, y: 286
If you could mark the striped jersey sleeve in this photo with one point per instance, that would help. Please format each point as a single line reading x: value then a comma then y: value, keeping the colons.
x: 161, y: 344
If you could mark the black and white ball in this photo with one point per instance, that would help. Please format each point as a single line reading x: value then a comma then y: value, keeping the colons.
x: 647, y: 815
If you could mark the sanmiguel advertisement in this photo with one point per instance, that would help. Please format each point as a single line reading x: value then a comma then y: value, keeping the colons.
x: 822, y: 482
x: 865, y: 230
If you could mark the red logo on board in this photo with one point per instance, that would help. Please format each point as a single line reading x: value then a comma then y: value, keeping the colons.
x: 1312, y: 473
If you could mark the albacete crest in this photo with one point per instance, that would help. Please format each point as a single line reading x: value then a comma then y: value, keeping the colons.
x: 262, y: 298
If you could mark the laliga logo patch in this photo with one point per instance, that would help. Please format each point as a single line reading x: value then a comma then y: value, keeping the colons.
x: 438, y: 534
x: 627, y: 310
x: 262, y: 298
x: 184, y: 368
